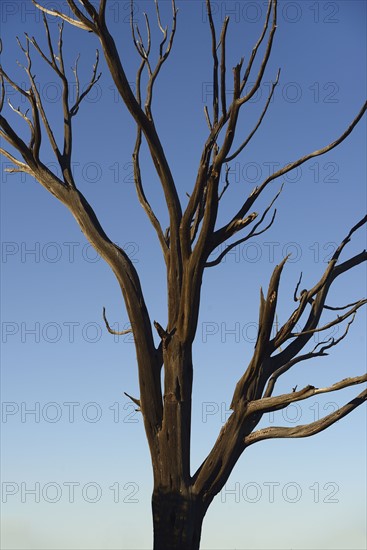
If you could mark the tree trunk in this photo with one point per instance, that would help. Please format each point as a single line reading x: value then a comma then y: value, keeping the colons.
x: 177, y: 521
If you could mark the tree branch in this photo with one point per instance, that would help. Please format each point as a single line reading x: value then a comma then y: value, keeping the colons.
x: 143, y: 200
x: 316, y: 296
x: 21, y: 166
x: 306, y: 430
x: 336, y: 321
x: 133, y: 399
x: 253, y: 232
x: 94, y: 79
x: 257, y: 45
x: 291, y: 166
x: 223, y: 66
x: 110, y: 330
x: 268, y: 404
x: 260, y: 74
x: 215, y: 64
x: 37, y: 98
x: 83, y: 23
x: 258, y: 124
x: 137, y: 173
x: 331, y: 342
x: 250, y: 385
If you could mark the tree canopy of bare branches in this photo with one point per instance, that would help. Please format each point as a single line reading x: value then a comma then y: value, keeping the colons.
x: 181, y: 497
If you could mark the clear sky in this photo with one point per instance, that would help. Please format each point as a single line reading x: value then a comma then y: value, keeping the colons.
x: 83, y: 451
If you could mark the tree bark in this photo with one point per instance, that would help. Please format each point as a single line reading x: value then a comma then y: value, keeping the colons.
x: 177, y: 521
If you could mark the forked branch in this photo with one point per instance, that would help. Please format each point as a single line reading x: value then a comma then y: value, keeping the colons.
x: 324, y: 345
x: 251, y: 234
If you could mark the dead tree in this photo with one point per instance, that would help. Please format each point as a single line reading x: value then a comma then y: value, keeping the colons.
x: 180, y: 497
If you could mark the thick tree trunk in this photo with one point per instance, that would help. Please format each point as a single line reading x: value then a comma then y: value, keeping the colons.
x: 177, y: 521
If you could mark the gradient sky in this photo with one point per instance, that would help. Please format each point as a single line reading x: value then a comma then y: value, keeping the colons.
x: 83, y: 450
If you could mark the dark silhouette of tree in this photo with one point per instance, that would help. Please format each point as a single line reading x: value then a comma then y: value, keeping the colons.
x: 181, y: 497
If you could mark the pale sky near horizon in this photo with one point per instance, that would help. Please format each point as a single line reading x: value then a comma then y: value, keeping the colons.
x: 76, y: 472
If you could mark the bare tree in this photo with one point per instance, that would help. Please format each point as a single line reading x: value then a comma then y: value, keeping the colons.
x: 180, y: 497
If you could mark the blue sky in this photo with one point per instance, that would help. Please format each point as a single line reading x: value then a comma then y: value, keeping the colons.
x: 83, y: 450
